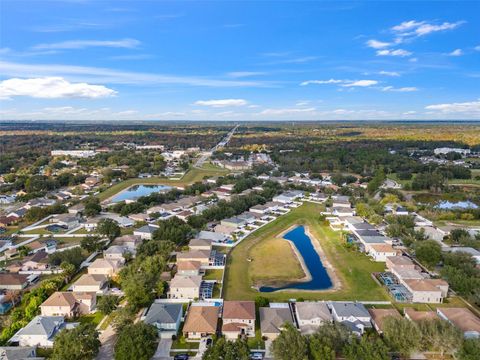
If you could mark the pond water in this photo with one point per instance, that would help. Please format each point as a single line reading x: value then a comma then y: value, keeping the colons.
x: 449, y: 205
x: 136, y: 191
x: 320, y: 279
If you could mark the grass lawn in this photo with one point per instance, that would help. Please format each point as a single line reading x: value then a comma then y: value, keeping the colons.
x: 193, y: 175
x: 352, y: 268
x: 181, y: 343
x: 213, y: 274
x: 265, y: 269
x: 41, y: 231
x: 94, y: 318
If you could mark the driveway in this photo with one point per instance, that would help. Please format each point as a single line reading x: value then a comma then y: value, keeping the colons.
x: 163, y: 350
x: 268, y: 353
x: 107, y: 339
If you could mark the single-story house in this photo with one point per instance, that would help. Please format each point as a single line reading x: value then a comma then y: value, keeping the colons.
x: 69, y: 304
x: 165, y: 317
x: 238, y: 319
x: 37, y: 261
x: 201, y: 321
x: 107, y: 267
x: 380, y: 252
x: 399, y: 262
x: 463, y: 319
x: 13, y: 281
x: 272, y: 320
x: 117, y: 252
x: 380, y: 315
x: 41, y: 331
x: 212, y: 236
x: 19, y: 353
x: 234, y: 222
x: 469, y: 250
x: 146, y: 231
x: 200, y: 244
x: 224, y: 230
x: 417, y: 316
x: 311, y: 315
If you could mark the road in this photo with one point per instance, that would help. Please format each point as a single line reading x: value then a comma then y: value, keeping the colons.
x: 206, y: 155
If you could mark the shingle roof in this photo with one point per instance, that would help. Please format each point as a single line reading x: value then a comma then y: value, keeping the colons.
x: 272, y: 319
x: 163, y: 313
x: 462, y: 318
x: 350, y: 309
x: 239, y: 310
x: 42, y: 325
x: 312, y: 310
x: 202, y: 319
x: 186, y: 281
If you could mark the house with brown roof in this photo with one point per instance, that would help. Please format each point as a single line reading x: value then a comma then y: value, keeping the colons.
x: 203, y: 256
x: 13, y: 281
x: 399, y: 262
x: 463, y: 319
x: 90, y: 283
x: 189, y: 267
x: 69, y: 304
x: 200, y: 244
x: 107, y: 267
x: 201, y: 321
x: 430, y: 291
x: 37, y: 261
x: 185, y: 287
x: 272, y: 320
x: 417, y: 316
x: 380, y: 315
x: 238, y: 319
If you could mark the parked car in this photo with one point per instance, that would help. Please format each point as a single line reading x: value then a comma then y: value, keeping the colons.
x: 256, y: 356
x: 209, y: 342
x: 181, y: 357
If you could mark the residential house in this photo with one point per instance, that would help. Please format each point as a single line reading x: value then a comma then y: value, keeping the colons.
x: 146, y: 231
x: 68, y: 221
x: 165, y: 317
x: 18, y: 214
x: 399, y: 262
x: 342, y: 211
x: 91, y: 283
x: 417, y: 316
x: 224, y: 230
x: 380, y: 252
x: 380, y: 315
x: 19, y: 353
x: 288, y: 197
x: 69, y: 304
x: 189, y: 268
x: 212, y: 236
x: 76, y: 209
x: 41, y: 331
x: 7, y: 221
x: 13, y: 281
x: 185, y: 287
x: 200, y: 244
x: 117, y: 252
x: 107, y: 267
x: 203, y: 256
x: 431, y: 291
x: 6, y: 199
x: 272, y: 319
x: 463, y: 319
x: 140, y: 217
x: 6, y: 243
x: 234, y: 222
x: 37, y: 261
x: 471, y: 251
x: 311, y: 315
x: 238, y: 319
x: 201, y: 321
x: 354, y: 315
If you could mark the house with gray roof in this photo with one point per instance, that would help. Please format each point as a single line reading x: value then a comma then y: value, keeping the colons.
x: 41, y: 331
x: 212, y: 236
x: 19, y: 353
x: 165, y: 317
x: 353, y: 315
x: 272, y: 320
x: 146, y: 231
x: 311, y: 315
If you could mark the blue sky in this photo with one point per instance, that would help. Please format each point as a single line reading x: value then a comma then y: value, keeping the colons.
x: 227, y: 60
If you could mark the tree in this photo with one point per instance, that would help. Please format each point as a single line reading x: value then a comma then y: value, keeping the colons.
x: 470, y: 350
x: 91, y: 243
x: 227, y: 350
x: 122, y: 317
x: 92, y: 206
x: 261, y: 301
x: 376, y: 181
x: 108, y: 228
x: 402, y: 335
x: 290, y: 344
x: 136, y: 341
x: 107, y: 303
x: 428, y: 252
x: 439, y: 336
x: 68, y: 270
x: 366, y: 349
x: 328, y: 340
x: 79, y: 343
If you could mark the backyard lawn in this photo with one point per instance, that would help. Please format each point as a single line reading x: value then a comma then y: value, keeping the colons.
x: 351, y: 267
x: 213, y: 274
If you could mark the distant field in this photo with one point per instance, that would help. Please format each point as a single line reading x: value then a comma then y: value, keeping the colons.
x: 353, y: 268
x: 193, y: 175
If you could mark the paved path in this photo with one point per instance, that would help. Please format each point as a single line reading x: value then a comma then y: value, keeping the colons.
x: 163, y: 350
x: 206, y: 155
x: 107, y: 338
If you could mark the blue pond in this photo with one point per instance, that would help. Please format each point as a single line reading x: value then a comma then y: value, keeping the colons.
x: 136, y: 191
x: 320, y: 279
x: 448, y: 205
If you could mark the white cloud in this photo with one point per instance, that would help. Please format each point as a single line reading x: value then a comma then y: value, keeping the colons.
x: 82, y: 44
x: 471, y: 107
x: 52, y: 88
x: 389, y: 73
x: 320, y: 82
x: 401, y: 89
x: 105, y: 75
x: 396, y: 52
x: 409, y: 113
x: 361, y: 83
x: 377, y: 44
x: 415, y: 28
x: 242, y: 74
x: 477, y: 48
x: 218, y: 103
x: 287, y: 111
x: 456, y: 52
x: 344, y: 83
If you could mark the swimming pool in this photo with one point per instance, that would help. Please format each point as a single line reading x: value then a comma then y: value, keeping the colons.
x: 320, y: 279
x: 136, y: 191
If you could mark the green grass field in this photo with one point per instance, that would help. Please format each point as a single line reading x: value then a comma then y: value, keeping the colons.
x: 213, y: 274
x: 352, y: 268
x: 193, y: 175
